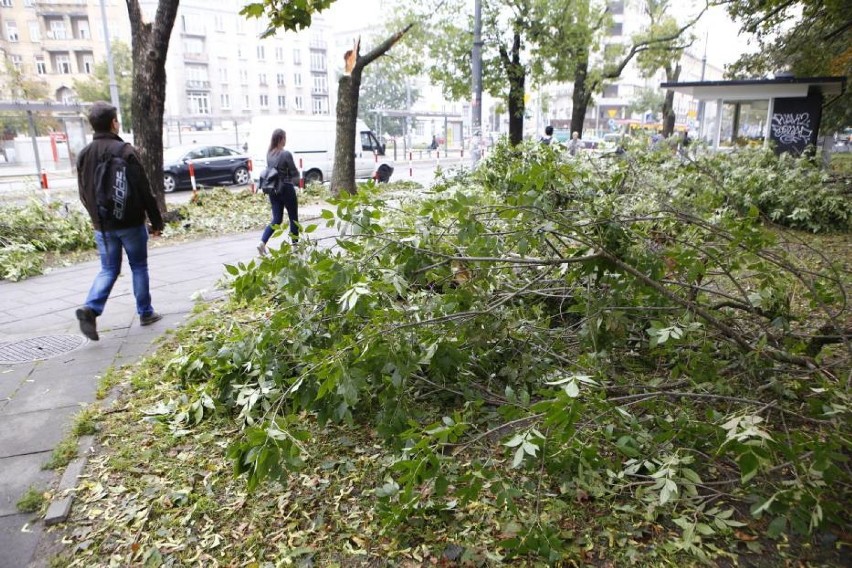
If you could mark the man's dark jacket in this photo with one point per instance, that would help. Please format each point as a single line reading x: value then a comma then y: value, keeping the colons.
x: 142, y: 199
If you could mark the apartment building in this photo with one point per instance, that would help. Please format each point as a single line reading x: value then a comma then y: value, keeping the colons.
x: 220, y: 73
x: 218, y: 69
x: 58, y: 41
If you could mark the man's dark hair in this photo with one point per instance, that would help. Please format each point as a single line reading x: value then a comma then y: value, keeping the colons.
x: 548, y: 130
x: 101, y: 116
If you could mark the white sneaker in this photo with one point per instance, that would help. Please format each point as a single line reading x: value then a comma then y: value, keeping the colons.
x: 261, y: 249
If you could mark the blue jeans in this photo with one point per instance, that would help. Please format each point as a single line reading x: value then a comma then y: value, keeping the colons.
x: 134, y: 241
x: 287, y: 200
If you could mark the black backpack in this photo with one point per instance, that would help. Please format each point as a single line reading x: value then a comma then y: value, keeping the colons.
x: 112, y: 190
x: 268, y: 181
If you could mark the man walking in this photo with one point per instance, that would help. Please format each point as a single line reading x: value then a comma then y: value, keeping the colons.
x: 112, y: 235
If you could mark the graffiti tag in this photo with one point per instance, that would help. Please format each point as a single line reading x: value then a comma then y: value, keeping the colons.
x: 792, y: 128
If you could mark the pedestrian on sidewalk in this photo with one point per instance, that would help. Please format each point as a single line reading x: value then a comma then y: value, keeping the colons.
x: 129, y: 233
x: 285, y: 196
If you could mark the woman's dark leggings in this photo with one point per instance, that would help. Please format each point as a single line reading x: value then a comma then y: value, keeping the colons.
x: 287, y: 200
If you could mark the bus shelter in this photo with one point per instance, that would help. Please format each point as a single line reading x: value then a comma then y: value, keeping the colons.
x: 785, y: 110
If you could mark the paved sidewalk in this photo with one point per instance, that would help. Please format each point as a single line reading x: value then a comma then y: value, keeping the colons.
x: 38, y: 399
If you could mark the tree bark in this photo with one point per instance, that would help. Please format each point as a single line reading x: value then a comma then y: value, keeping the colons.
x: 668, y: 103
x: 150, y: 45
x: 580, y: 98
x: 348, y: 92
x: 516, y: 73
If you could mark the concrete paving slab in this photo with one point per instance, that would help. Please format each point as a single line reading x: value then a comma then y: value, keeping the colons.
x: 11, y: 378
x: 36, y: 325
x: 19, y: 473
x: 33, y: 432
x: 18, y: 546
x: 45, y: 391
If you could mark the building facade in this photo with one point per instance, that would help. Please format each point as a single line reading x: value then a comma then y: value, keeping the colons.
x: 55, y: 42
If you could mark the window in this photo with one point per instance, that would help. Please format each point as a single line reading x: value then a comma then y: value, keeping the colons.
x: 11, y: 31
x: 297, y: 79
x: 261, y: 78
x: 57, y: 30
x: 297, y: 57
x: 615, y: 29
x: 223, y: 70
x: 279, y: 78
x: 63, y: 64
x: 244, y: 76
x: 192, y: 24
x: 261, y: 53
x: 35, y: 32
x: 298, y: 102
x: 193, y: 45
x: 83, y: 30
x: 17, y: 62
x: 219, y: 23
x: 320, y: 105
x: 197, y: 77
x: 282, y: 102
x: 41, y: 66
x: 279, y: 54
x: 264, y: 101
x: 246, y: 102
x: 198, y: 102
x: 320, y: 84
x: 6, y: 3
x: 88, y: 64
x: 240, y: 54
x: 610, y: 92
x: 616, y: 8
x: 225, y: 101
x: 317, y: 60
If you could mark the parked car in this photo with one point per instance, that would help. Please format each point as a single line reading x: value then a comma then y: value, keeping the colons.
x: 214, y: 165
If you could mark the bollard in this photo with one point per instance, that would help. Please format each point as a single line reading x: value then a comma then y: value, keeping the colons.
x: 462, y: 153
x: 192, y: 179
x: 44, y: 179
x: 301, y: 177
x: 252, y: 186
x: 438, y: 158
x: 411, y: 164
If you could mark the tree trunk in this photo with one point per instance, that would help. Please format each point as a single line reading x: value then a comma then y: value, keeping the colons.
x: 516, y: 73
x: 150, y: 45
x: 580, y: 99
x: 668, y: 103
x: 348, y: 92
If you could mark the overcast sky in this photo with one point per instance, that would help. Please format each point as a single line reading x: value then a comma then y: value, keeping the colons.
x: 724, y: 45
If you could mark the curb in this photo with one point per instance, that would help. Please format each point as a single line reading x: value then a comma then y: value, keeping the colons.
x: 60, y: 507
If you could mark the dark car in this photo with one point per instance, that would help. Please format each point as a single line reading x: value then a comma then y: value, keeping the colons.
x: 214, y: 165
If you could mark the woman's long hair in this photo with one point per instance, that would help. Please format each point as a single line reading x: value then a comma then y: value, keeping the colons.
x: 277, y: 136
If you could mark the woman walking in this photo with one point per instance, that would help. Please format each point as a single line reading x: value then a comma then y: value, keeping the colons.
x: 285, y: 198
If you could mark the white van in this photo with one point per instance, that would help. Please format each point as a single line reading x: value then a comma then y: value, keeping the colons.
x: 311, y: 141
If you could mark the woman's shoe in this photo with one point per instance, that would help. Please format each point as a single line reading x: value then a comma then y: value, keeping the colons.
x: 261, y: 249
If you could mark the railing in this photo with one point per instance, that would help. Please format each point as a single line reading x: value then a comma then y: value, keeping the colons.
x: 197, y: 84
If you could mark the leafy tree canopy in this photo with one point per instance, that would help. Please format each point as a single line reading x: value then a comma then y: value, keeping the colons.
x: 291, y: 15
x: 384, y: 87
x: 96, y: 88
x: 818, y: 44
x: 18, y: 86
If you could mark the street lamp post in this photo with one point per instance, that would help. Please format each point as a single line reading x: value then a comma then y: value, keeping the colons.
x: 476, y: 103
x: 113, y: 86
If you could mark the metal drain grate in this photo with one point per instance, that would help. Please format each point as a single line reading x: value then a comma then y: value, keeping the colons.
x: 38, y: 348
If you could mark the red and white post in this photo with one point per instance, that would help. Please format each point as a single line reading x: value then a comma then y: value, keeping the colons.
x: 252, y: 186
x: 192, y: 179
x: 301, y: 175
x: 410, y: 164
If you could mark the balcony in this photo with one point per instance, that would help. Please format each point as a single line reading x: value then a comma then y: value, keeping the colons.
x: 195, y: 57
x: 196, y: 84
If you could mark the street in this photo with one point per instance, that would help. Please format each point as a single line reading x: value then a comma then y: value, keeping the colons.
x: 18, y: 186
